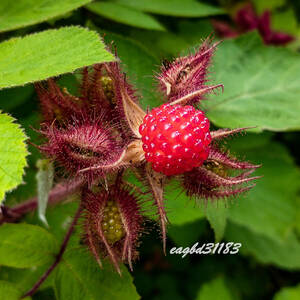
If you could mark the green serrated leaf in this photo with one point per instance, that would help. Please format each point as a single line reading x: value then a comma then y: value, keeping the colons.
x: 261, y: 86
x: 25, y: 246
x: 177, y: 8
x: 288, y: 293
x: 9, y: 291
x: 27, y: 190
x: 283, y: 253
x: 216, y: 213
x: 44, y: 179
x: 125, y: 15
x: 215, y: 289
x: 79, y: 277
x: 270, y: 207
x: 13, y: 154
x: 26, y: 59
x: 21, y: 13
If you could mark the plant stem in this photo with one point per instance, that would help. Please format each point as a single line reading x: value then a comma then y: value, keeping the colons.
x: 57, y: 194
x: 58, y: 256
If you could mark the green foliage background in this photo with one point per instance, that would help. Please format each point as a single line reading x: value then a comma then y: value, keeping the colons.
x: 41, y: 39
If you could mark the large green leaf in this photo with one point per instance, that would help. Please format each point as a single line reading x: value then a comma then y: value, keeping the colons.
x: 270, y: 207
x: 79, y: 277
x: 283, y: 253
x: 26, y: 246
x: 178, y: 8
x: 10, y: 291
x: 125, y: 15
x: 261, y: 86
x: 215, y: 289
x: 49, y: 53
x: 13, y: 154
x: 288, y: 293
x: 21, y: 13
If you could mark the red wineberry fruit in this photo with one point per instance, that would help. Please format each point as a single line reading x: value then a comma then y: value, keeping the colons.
x: 175, y: 138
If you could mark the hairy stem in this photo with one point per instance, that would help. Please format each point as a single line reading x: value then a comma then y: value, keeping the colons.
x: 58, y: 256
x: 57, y: 194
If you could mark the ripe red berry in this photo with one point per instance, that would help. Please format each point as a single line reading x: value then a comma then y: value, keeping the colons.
x: 175, y: 138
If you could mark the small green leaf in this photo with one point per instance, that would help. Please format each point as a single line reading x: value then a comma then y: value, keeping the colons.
x: 25, y: 246
x: 79, y: 277
x: 261, y: 86
x: 44, y: 179
x: 21, y: 13
x: 13, y: 154
x: 10, y: 291
x: 215, y: 289
x: 216, y: 213
x: 177, y: 8
x: 283, y: 253
x: 125, y: 15
x: 288, y: 293
x: 26, y: 59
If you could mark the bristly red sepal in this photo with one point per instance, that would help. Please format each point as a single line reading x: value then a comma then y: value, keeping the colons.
x: 214, y: 178
x: 96, y: 97
x: 186, y: 77
x: 81, y: 145
x: 57, y: 104
x: 112, y: 224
